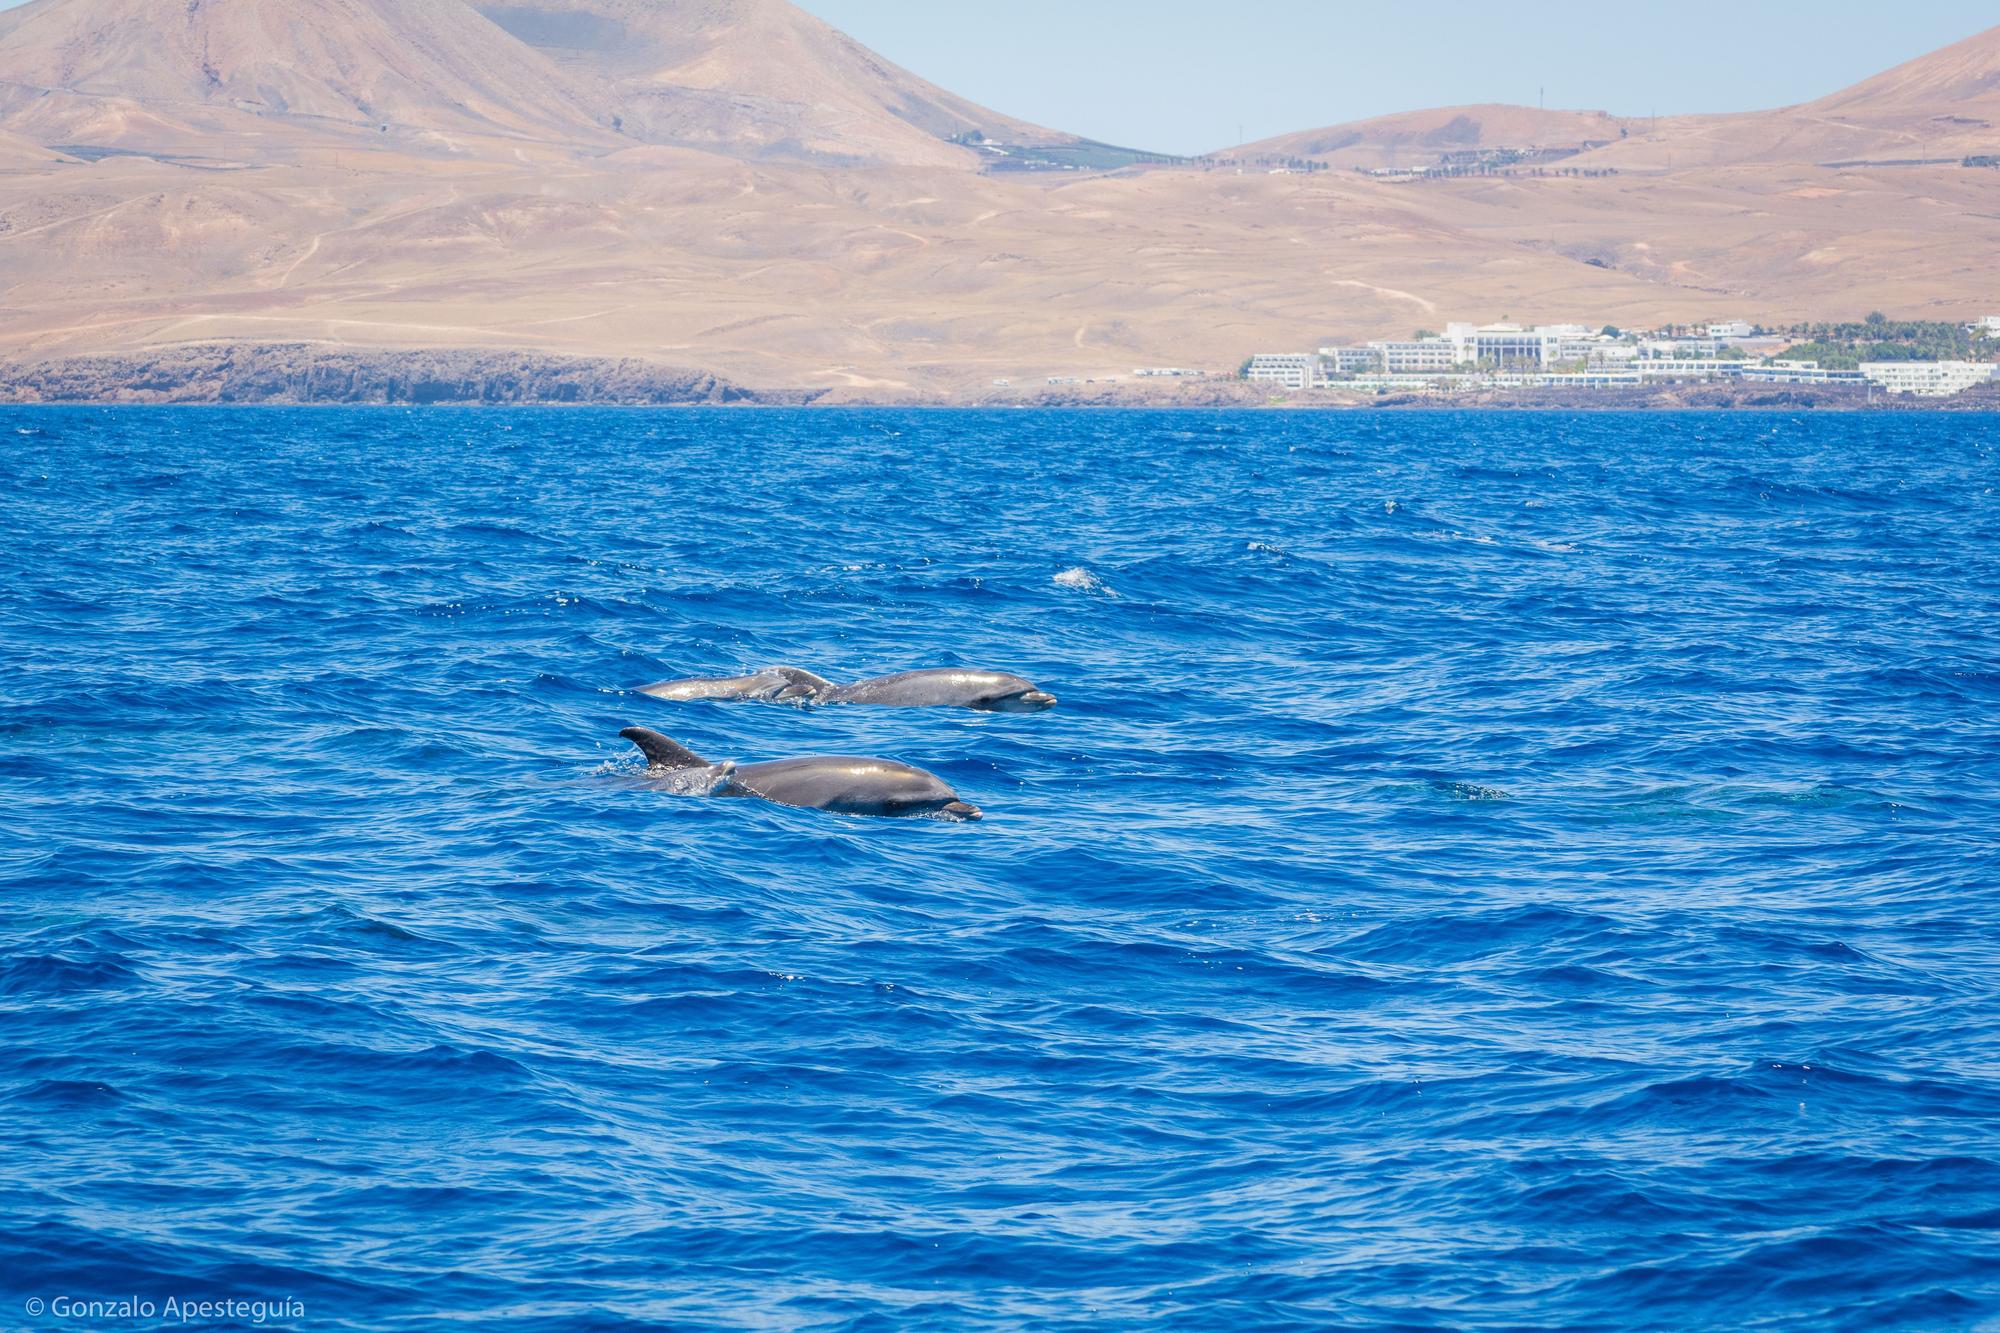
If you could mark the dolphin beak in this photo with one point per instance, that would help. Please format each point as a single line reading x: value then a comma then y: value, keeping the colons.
x: 1039, y: 699
x: 962, y: 810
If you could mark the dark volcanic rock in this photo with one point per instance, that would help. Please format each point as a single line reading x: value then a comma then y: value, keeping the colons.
x: 310, y: 373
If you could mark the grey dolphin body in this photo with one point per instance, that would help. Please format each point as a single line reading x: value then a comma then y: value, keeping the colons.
x: 771, y: 685
x: 843, y: 785
x: 986, y: 691
x: 948, y: 687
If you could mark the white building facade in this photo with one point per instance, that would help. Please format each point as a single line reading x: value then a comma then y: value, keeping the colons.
x: 1685, y: 349
x: 1429, y: 356
x: 1349, y: 360
x: 1928, y: 379
x: 1799, y: 372
x: 1291, y: 370
x: 1665, y: 368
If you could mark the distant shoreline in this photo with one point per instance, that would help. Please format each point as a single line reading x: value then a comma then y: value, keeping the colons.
x: 314, y: 375
x: 310, y: 374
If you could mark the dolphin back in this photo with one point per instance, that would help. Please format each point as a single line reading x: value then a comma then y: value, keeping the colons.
x: 779, y: 684
x: 946, y: 687
x: 852, y: 786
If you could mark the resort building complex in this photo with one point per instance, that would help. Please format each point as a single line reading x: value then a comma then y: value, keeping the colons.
x: 1577, y: 356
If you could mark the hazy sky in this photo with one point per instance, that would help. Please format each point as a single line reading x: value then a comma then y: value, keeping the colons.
x: 1184, y: 75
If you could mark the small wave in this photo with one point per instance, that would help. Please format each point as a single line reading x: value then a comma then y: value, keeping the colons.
x: 67, y: 1092
x: 1820, y: 796
x: 49, y: 974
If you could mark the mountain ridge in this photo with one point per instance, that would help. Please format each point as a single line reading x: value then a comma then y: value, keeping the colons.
x: 1944, y: 102
x: 760, y: 78
x: 1965, y: 74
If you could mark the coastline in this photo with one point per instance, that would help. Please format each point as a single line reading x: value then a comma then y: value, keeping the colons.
x: 298, y: 374
x: 306, y: 374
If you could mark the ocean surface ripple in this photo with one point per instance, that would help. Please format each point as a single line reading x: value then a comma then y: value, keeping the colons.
x: 1486, y: 870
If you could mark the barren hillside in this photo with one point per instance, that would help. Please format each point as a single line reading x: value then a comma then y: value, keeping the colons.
x: 737, y: 190
x: 226, y: 77
x: 754, y: 77
x: 1942, y: 105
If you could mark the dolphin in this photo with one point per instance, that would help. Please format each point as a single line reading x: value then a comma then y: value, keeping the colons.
x: 985, y: 691
x: 771, y: 685
x: 842, y: 785
x: 945, y: 687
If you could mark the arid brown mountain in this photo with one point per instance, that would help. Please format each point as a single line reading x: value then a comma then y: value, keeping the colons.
x: 757, y: 78
x: 228, y: 78
x: 733, y: 189
x: 1961, y: 84
x: 1942, y: 105
x: 751, y: 78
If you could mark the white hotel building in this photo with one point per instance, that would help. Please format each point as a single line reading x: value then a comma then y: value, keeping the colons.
x: 1507, y: 348
x: 1798, y: 372
x: 1427, y: 356
x: 1507, y: 355
x: 1290, y: 370
x: 1928, y: 379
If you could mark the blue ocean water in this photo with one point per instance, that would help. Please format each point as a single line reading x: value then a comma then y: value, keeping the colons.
x: 1486, y: 871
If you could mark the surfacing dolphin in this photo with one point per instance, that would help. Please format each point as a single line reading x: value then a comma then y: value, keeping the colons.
x: 837, y: 783
x: 944, y: 687
x: 771, y: 685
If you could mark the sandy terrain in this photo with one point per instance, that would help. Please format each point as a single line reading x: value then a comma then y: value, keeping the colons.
x: 741, y: 192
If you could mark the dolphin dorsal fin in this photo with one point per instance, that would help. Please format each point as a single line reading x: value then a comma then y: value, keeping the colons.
x: 661, y: 752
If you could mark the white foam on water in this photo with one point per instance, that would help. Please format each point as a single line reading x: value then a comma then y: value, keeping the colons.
x: 698, y: 781
x: 684, y: 782
x: 1082, y: 580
